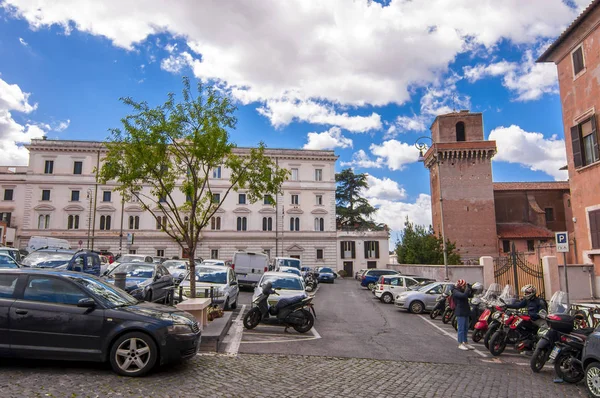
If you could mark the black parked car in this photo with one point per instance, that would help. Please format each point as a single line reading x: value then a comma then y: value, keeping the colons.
x: 75, y: 316
x: 145, y: 281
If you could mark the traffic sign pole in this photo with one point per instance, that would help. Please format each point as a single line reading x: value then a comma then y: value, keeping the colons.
x: 566, y: 276
x: 562, y: 246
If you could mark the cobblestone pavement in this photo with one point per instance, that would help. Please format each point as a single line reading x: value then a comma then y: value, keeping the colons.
x: 249, y: 375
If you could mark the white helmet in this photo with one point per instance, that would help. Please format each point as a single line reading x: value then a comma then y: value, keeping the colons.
x: 477, y: 288
x: 529, y: 291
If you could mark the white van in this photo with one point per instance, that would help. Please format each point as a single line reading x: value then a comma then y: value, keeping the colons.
x: 43, y: 242
x: 249, y: 267
x: 287, y: 262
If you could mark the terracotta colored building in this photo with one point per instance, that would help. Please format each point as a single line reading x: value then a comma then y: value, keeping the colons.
x: 576, y: 54
x: 485, y: 218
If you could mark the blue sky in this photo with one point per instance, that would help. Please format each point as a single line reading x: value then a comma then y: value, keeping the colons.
x: 362, y: 78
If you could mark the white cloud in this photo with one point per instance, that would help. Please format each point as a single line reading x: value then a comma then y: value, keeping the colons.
x: 283, y: 112
x: 527, y: 80
x: 405, y: 124
x: 62, y: 126
x: 361, y: 159
x: 176, y: 63
x: 348, y: 53
x: 171, y: 48
x: 385, y: 189
x: 395, y: 154
x: 531, y: 150
x: 23, y: 42
x: 394, y: 213
x: 329, y: 139
x: 14, y: 99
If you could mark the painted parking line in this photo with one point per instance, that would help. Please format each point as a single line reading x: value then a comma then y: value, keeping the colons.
x: 236, y: 331
x: 452, y: 336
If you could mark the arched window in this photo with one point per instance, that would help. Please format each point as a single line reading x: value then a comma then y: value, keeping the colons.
x: 215, y: 223
x: 319, y: 224
x: 295, y: 224
x: 242, y: 223
x: 73, y: 222
x: 105, y: 223
x: 460, y: 132
x: 44, y: 221
x: 267, y: 224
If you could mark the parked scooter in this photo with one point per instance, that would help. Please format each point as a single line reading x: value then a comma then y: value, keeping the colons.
x: 289, y: 311
x: 311, y: 282
x: 441, y: 303
x: 490, y: 300
x: 567, y: 354
x: 559, y: 322
x: 508, y: 296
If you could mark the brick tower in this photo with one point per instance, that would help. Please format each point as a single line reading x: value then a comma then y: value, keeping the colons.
x: 460, y: 170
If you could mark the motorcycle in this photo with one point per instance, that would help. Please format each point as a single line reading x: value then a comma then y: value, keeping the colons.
x: 440, y: 306
x: 517, y: 329
x: 289, y: 311
x: 489, y: 300
x: 559, y: 322
x: 567, y: 355
x: 508, y: 296
x: 311, y: 282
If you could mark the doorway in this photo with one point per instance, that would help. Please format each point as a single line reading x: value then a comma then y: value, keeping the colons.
x: 348, y: 268
x: 371, y: 264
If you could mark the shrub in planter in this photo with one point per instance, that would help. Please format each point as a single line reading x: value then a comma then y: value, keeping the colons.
x: 342, y: 273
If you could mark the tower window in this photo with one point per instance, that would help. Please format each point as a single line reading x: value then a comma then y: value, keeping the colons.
x: 460, y: 131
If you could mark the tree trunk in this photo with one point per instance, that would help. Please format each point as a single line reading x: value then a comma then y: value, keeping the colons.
x: 192, y: 253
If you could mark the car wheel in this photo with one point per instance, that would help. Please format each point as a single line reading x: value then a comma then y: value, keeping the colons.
x: 387, y: 298
x: 370, y: 286
x: 234, y: 305
x: 592, y: 379
x: 133, y: 354
x: 149, y: 296
x: 417, y: 307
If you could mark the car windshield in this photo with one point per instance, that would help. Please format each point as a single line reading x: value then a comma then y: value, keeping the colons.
x: 133, y: 270
x: 7, y: 262
x: 114, y: 296
x: 288, y: 263
x: 281, y: 282
x: 57, y: 258
x: 131, y: 259
x: 291, y: 271
x: 12, y: 253
x: 210, y: 275
x: 328, y: 270
x: 175, y: 265
x: 427, y: 287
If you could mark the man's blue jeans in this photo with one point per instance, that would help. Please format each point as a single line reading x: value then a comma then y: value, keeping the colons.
x: 463, y: 328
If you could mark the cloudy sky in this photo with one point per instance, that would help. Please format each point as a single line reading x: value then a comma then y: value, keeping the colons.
x: 365, y: 78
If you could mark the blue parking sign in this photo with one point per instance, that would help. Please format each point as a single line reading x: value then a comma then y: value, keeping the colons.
x: 562, y: 242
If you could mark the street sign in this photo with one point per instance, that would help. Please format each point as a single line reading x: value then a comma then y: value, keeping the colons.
x: 80, y: 242
x: 130, y: 238
x: 562, y: 242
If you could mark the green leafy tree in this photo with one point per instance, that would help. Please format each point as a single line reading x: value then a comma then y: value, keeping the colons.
x: 164, y: 156
x: 353, y: 210
x: 420, y: 245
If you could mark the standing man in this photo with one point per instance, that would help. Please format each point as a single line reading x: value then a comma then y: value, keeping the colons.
x: 460, y: 294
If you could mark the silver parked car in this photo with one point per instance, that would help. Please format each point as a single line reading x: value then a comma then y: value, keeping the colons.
x: 221, y: 279
x: 421, y: 300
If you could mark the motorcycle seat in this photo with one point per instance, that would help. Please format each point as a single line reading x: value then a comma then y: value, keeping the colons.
x: 583, y: 333
x: 285, y: 301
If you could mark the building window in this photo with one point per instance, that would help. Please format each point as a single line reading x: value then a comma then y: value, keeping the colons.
x: 372, y: 249
x: 132, y: 251
x: 5, y: 217
x: 44, y: 221
x: 73, y: 222
x: 215, y: 223
x: 8, y: 194
x: 318, y: 175
x: 584, y: 139
x: 267, y: 224
x: 242, y: 224
x: 595, y: 228
x: 319, y: 200
x: 77, y: 167
x: 460, y: 132
x: 160, y: 252
x: 268, y: 200
x: 348, y: 249
x: 161, y: 222
x: 217, y: 172
x: 295, y: 224
x: 242, y: 198
x: 134, y: 222
x: 295, y: 199
x: 49, y: 167
x: 162, y: 199
x: 319, y: 224
x: 45, y: 194
x: 105, y: 223
x: 530, y: 245
x: 506, y: 246
x: 106, y: 196
x: 294, y: 174
x: 216, y: 198
x: 214, y: 254
x: 578, y: 62
x: 74, y: 196
x: 319, y: 254
x: 549, y: 214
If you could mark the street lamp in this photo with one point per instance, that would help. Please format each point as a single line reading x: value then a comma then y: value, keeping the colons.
x: 89, y: 196
x: 421, y: 146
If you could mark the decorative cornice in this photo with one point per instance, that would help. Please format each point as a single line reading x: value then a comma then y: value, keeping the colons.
x: 242, y: 210
x: 295, y: 247
x: 44, y: 207
x: 106, y: 208
x: 467, y: 150
x: 267, y: 210
x: 319, y: 211
x: 73, y: 207
x: 295, y: 210
x: 134, y: 209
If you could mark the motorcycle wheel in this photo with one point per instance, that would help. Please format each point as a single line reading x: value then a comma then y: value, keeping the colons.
x: 566, y: 369
x: 477, y: 335
x: 309, y: 321
x: 488, y: 335
x: 539, y: 359
x: 309, y: 288
x: 434, y: 314
x: 447, y: 316
x: 252, y: 318
x: 498, y: 343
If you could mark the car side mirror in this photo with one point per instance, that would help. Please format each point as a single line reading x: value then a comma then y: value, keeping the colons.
x: 86, y: 303
x: 233, y: 283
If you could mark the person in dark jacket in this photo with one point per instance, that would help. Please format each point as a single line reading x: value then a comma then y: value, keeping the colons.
x: 461, y: 294
x: 533, y: 303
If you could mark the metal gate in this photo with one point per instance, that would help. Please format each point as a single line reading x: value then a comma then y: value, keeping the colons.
x: 516, y: 271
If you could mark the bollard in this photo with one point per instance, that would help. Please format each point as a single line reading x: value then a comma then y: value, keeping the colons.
x: 180, y: 293
x: 120, y: 280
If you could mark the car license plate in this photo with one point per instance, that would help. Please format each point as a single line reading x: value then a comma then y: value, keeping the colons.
x: 555, y: 353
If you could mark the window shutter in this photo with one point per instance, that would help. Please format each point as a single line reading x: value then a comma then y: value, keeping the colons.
x: 576, y: 144
x: 342, y: 249
x: 597, y: 137
x: 367, y: 249
x: 353, y: 249
x: 595, y: 228
x: 376, y: 249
